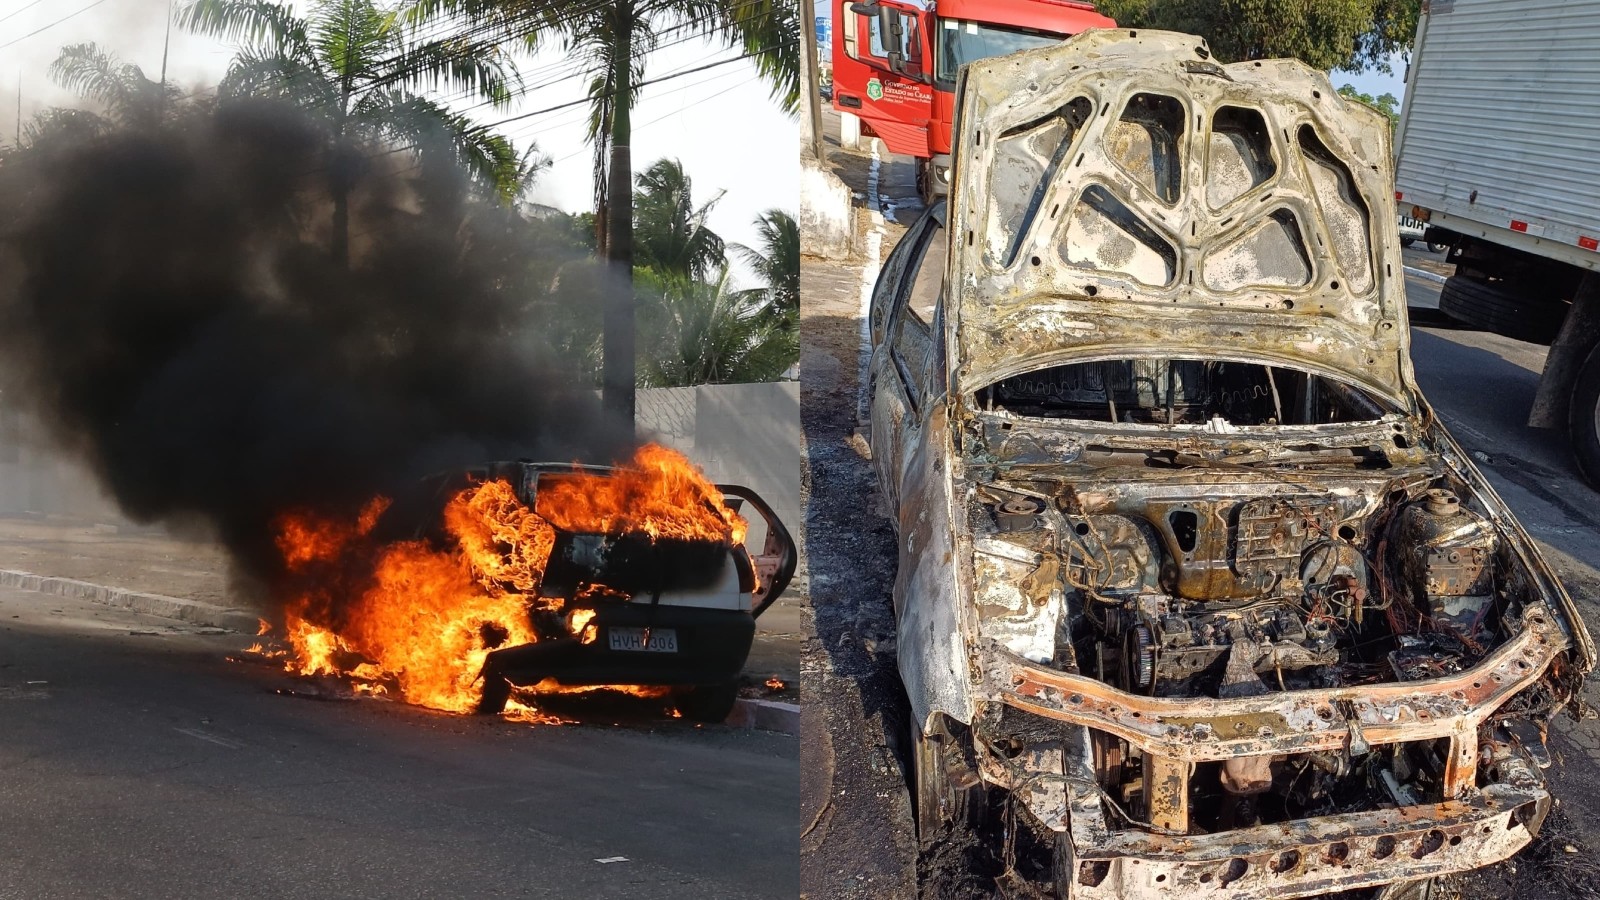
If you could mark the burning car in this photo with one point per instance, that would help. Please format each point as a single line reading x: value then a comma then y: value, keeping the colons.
x: 1192, y: 581
x: 553, y: 577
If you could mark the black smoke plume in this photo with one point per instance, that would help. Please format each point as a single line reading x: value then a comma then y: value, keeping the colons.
x: 170, y: 309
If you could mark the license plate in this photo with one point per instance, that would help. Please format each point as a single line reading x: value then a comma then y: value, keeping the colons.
x: 644, y: 640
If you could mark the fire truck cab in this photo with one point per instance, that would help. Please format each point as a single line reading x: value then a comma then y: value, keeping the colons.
x: 895, y: 64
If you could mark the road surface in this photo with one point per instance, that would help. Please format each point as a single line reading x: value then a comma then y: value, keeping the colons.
x: 137, y: 761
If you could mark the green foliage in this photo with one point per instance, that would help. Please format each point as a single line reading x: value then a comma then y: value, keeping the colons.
x: 1388, y: 104
x: 669, y: 231
x: 777, y: 263
x: 349, y: 63
x: 591, y: 34
x: 700, y: 332
x: 1349, y: 35
x: 121, y: 89
x: 693, y: 328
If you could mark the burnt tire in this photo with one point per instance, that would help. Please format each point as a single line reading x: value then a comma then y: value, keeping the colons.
x: 496, y: 693
x: 1492, y: 308
x: 1583, y: 418
x: 709, y: 703
x: 946, y: 792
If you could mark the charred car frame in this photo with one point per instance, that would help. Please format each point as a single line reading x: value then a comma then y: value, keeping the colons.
x: 1189, y: 572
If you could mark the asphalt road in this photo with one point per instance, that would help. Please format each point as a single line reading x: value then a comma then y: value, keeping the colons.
x: 138, y: 761
x: 1480, y: 384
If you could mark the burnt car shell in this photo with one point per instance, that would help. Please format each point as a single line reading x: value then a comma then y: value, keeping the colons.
x: 1189, y: 571
x: 705, y: 595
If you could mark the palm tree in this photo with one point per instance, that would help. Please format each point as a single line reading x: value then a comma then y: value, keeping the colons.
x: 610, y: 39
x: 347, y: 63
x: 777, y: 264
x: 701, y: 332
x: 669, y: 230
x: 128, y: 97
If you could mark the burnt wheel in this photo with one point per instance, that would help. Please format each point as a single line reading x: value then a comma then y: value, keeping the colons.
x: 708, y: 702
x: 1491, y: 307
x: 948, y: 794
x: 496, y: 691
x: 1583, y: 418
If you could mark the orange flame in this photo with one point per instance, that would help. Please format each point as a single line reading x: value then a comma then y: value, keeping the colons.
x: 423, y: 619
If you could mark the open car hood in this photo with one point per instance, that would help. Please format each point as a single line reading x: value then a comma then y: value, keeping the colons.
x: 1122, y: 195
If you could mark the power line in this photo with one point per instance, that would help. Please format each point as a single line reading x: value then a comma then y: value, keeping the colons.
x: 19, y: 12
x: 52, y: 24
x: 648, y: 81
x: 526, y: 132
x: 566, y: 65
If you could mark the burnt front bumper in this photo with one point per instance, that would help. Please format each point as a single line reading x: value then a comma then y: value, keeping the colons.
x: 1309, y: 857
x: 1493, y: 795
x: 711, y: 647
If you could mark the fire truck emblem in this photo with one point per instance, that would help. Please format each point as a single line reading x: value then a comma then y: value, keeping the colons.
x: 875, y: 89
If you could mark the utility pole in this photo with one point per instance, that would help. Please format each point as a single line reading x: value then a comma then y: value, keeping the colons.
x: 19, y: 109
x: 166, y: 48
x: 811, y: 110
x: 617, y: 340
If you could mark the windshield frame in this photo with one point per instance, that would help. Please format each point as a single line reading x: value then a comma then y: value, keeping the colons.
x: 1390, y: 412
x: 945, y: 67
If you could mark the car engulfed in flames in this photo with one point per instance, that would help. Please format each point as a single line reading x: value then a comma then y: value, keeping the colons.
x: 1191, y: 578
x: 484, y: 589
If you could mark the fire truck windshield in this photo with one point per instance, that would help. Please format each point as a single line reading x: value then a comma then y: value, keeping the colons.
x: 960, y: 42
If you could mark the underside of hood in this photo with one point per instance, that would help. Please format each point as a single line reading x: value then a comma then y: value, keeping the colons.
x: 1123, y: 195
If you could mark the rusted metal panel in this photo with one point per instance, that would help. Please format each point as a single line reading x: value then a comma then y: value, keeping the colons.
x: 1022, y: 302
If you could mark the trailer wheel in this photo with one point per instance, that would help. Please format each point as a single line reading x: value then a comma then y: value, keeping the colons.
x: 1583, y: 418
x: 1490, y: 307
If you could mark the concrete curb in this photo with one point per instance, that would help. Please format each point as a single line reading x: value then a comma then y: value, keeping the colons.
x: 191, y: 611
x: 1425, y: 275
x: 767, y: 715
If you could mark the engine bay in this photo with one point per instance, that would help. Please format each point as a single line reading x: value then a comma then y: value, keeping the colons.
x: 1223, y: 584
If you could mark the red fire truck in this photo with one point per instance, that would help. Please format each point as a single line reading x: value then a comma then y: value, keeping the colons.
x: 895, y: 63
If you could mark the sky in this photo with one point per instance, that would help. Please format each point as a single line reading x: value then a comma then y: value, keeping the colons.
x: 1377, y: 83
x: 720, y: 123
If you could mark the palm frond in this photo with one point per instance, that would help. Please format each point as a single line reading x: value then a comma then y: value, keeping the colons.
x: 258, y: 22
x: 122, y: 88
x: 489, y: 159
x: 270, y: 76
x: 670, y: 233
x: 457, y: 65
x: 67, y: 126
x: 777, y: 264
x: 700, y: 332
x: 352, y: 38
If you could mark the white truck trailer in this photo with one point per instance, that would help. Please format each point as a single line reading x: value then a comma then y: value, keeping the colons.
x: 1496, y: 150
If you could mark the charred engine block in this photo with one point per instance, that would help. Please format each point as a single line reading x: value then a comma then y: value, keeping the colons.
x: 1212, y: 594
x: 1446, y: 559
x: 1225, y: 596
x: 1171, y: 644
